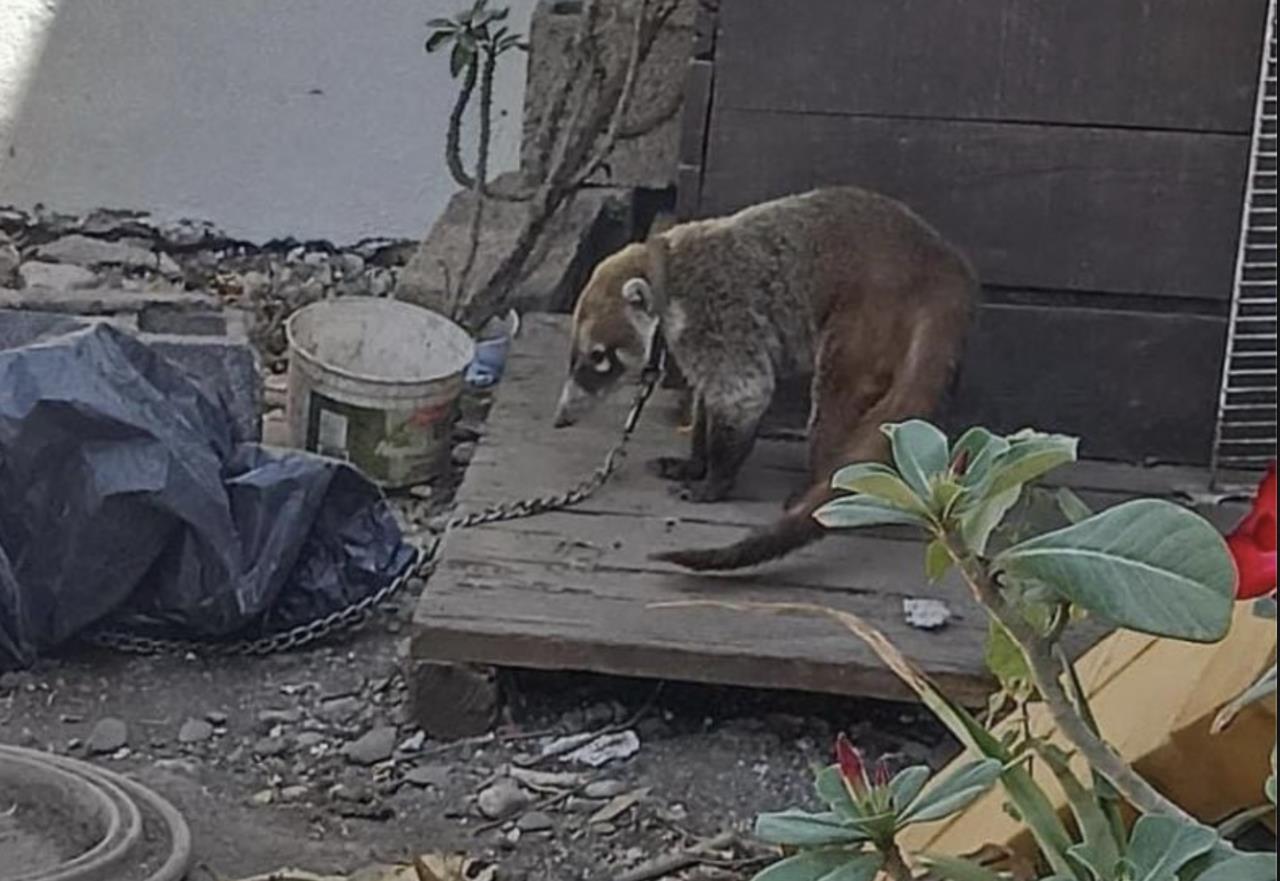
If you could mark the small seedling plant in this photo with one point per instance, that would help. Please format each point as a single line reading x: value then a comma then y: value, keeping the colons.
x: 1147, y: 565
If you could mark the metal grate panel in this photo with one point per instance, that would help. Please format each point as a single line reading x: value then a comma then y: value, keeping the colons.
x: 1245, y: 435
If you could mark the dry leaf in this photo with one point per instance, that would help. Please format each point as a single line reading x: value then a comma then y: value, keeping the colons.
x: 452, y: 867
x: 619, y: 806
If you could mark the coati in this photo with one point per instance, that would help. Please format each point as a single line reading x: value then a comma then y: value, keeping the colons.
x: 843, y: 284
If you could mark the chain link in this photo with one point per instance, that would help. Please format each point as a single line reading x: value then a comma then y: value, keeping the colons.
x: 424, y: 563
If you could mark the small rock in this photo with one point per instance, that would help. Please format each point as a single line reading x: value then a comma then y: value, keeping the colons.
x: 195, y: 731
x: 86, y: 251
x: 270, y: 718
x: 604, y: 789
x: 216, y: 718
x: 268, y: 747
x: 428, y: 775
x: 502, y: 800
x: 413, y: 743
x: 60, y: 276
x: 463, y: 453
x: 294, y: 793
x: 535, y: 821
x: 262, y: 797
x: 108, y: 736
x: 373, y: 747
x: 339, y: 709
x: 308, y: 739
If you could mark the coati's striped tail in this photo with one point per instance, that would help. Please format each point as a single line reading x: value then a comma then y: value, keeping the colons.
x: 792, y: 531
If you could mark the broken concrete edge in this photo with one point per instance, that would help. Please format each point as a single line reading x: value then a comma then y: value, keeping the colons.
x: 225, y: 368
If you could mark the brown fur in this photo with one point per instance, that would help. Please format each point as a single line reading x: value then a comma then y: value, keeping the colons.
x: 840, y: 283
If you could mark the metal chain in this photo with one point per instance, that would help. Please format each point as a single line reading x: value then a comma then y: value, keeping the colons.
x: 352, y: 616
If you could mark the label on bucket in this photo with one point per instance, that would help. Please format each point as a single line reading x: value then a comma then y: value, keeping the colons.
x: 394, y: 447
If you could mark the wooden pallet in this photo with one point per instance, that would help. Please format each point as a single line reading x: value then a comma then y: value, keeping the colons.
x: 575, y: 589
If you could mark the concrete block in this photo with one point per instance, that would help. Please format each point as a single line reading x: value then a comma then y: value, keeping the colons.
x: 101, y: 301
x: 595, y: 222
x: 225, y: 368
x: 169, y: 318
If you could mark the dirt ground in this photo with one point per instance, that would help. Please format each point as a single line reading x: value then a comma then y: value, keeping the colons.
x: 271, y: 786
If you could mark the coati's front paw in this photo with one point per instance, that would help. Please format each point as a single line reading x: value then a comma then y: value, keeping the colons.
x: 675, y: 468
x: 703, y: 491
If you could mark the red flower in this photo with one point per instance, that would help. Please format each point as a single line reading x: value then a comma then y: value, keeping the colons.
x: 1253, y: 543
x: 852, y: 768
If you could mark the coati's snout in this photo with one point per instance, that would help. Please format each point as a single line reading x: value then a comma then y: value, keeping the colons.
x: 613, y: 325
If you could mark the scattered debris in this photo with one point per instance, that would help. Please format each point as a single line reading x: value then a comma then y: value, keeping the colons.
x: 604, y: 789
x: 607, y: 748
x: 926, y: 614
x: 535, y: 821
x: 619, y: 805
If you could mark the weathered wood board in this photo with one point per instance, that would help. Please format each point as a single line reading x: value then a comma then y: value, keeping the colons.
x: 576, y: 589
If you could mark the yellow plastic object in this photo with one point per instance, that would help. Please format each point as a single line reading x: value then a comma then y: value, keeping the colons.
x: 1155, y: 701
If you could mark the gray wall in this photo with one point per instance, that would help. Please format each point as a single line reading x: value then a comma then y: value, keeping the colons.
x: 310, y: 118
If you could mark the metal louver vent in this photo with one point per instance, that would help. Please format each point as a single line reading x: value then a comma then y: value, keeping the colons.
x: 1245, y: 437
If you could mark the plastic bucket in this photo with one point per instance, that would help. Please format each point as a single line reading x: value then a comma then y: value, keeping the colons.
x: 375, y: 382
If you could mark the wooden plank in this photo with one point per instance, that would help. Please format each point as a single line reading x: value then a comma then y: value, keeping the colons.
x: 576, y: 589
x: 1040, y: 207
x: 1133, y: 386
x: 1179, y: 64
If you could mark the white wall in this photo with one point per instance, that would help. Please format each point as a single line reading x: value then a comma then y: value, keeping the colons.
x: 270, y: 118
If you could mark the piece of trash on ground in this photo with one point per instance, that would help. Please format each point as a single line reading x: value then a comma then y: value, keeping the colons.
x: 926, y: 614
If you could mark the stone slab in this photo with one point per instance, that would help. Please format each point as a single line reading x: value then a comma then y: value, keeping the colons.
x: 597, y: 221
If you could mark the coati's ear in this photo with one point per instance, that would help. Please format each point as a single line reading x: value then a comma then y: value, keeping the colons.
x: 636, y: 292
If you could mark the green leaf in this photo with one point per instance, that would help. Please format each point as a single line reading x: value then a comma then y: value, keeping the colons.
x: 1265, y: 608
x: 937, y: 560
x: 831, y: 789
x: 981, y: 448
x: 1246, y: 867
x: 977, y: 523
x: 1160, y: 846
x: 880, y: 481
x: 1265, y: 685
x: 438, y: 39
x: 955, y: 791
x: 1071, y: 505
x: 1147, y: 565
x: 1100, y: 847
x: 460, y: 57
x: 438, y: 23
x: 906, y: 785
x: 957, y: 869
x: 824, y: 865
x: 1006, y: 661
x: 852, y: 512
x: 1030, y: 455
x: 803, y: 829
x: 919, y: 451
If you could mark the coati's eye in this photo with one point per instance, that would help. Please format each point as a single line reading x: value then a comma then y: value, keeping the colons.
x: 599, y: 359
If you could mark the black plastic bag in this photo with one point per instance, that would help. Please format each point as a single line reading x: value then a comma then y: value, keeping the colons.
x: 125, y: 501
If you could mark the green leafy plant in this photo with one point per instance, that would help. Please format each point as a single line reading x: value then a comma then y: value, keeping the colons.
x: 1146, y: 565
x: 865, y: 810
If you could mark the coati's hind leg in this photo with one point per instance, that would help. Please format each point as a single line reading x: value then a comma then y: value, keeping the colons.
x: 731, y: 409
x: 695, y: 466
